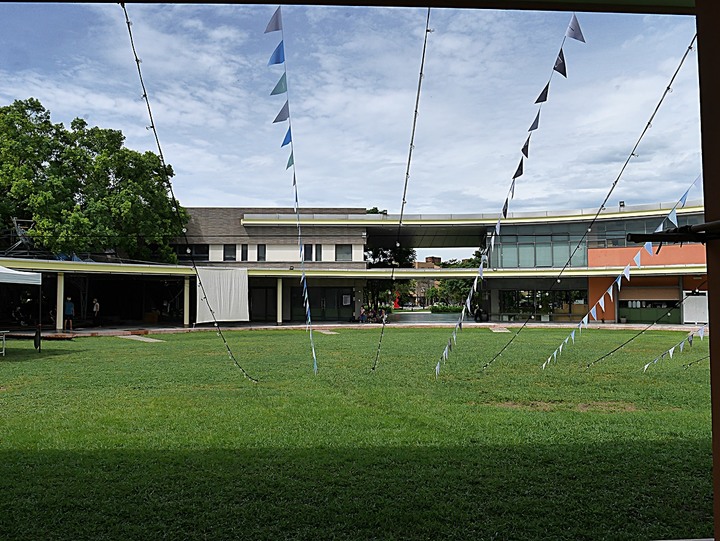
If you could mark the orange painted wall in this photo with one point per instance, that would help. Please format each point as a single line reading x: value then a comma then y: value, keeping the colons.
x: 673, y: 254
x: 596, y: 288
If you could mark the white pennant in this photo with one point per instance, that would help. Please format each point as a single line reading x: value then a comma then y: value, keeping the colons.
x: 637, y: 259
x: 626, y: 272
x: 601, y: 302
x: 610, y: 292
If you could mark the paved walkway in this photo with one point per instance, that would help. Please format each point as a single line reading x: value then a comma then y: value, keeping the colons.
x: 142, y: 329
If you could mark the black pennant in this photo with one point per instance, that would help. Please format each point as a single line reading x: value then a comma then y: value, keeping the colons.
x: 544, y: 94
x: 519, y: 171
x: 560, y: 64
x: 526, y: 147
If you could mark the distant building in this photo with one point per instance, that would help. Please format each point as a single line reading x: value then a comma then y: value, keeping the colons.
x: 521, y: 278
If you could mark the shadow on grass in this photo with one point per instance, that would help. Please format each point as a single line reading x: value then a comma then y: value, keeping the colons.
x: 19, y: 355
x: 640, y: 490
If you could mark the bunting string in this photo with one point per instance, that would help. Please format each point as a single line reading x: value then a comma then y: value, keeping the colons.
x: 637, y: 260
x: 278, y: 58
x: 680, y: 345
x: 407, y: 177
x: 175, y: 204
x: 632, y: 155
x: 573, y: 31
x: 643, y: 331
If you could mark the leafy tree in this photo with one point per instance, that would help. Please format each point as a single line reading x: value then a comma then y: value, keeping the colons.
x: 376, y: 290
x: 83, y: 189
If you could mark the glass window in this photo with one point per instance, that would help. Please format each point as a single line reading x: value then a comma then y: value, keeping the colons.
x: 580, y: 258
x: 243, y: 252
x: 343, y: 252
x: 543, y: 255
x: 261, y: 252
x: 526, y: 254
x: 509, y: 256
x: 198, y: 252
x: 560, y: 254
x: 307, y: 252
x: 229, y: 252
x: 318, y: 252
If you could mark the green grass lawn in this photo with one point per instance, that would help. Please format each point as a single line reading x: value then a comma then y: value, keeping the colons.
x: 108, y: 438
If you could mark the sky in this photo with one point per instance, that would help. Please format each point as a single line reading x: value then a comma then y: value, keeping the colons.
x: 352, y: 77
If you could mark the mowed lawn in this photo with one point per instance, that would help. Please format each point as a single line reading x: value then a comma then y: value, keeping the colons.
x: 109, y: 438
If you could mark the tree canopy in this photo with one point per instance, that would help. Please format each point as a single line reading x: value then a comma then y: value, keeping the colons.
x: 82, y: 188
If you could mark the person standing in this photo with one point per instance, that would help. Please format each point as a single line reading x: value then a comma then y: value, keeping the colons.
x: 96, y: 313
x: 69, y: 310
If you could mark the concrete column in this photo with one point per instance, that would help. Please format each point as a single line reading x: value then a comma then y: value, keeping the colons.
x: 186, y: 302
x: 60, y: 302
x: 279, y: 301
x: 708, y: 15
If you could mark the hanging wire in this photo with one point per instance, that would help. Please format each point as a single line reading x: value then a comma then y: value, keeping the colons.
x: 688, y: 365
x: 677, y: 305
x: 632, y: 155
x: 175, y: 204
x: 407, y: 178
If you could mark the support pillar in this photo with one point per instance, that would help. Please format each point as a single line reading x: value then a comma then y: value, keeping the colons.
x: 60, y: 302
x: 708, y: 14
x: 186, y: 302
x: 279, y: 301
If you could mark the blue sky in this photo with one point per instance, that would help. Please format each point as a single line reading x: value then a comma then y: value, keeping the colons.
x: 352, y: 75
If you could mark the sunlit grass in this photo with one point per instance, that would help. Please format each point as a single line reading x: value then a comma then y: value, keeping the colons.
x: 119, y: 439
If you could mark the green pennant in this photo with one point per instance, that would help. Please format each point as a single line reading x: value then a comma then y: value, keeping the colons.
x: 281, y: 86
x: 291, y: 161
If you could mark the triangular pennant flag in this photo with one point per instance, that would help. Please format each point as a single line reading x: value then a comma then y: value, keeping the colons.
x: 671, y: 350
x: 593, y: 313
x: 291, y: 162
x: 492, y: 241
x: 543, y: 95
x: 560, y: 64
x: 480, y: 271
x: 660, y: 227
x: 637, y: 259
x: 567, y: 339
x: 437, y: 370
x: 275, y: 22
x: 497, y: 228
x: 690, y: 340
x: 648, y: 365
x: 519, y: 170
x: 536, y: 122
x: 573, y: 30
x: 572, y: 335
x: 287, y: 140
x: 545, y: 363
x: 467, y: 303
x: 512, y: 190
x: 682, y: 346
x: 505, y: 209
x: 560, y: 348
x: 683, y: 199
x: 281, y: 86
x: 585, y: 321
x: 278, y: 56
x: 601, y: 302
x: 701, y: 333
x: 673, y: 217
x: 525, y: 151
x: 284, y: 113
x: 294, y: 180
x: 648, y: 247
x: 555, y: 355
x: 610, y: 292
x: 626, y: 272
x: 618, y: 281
